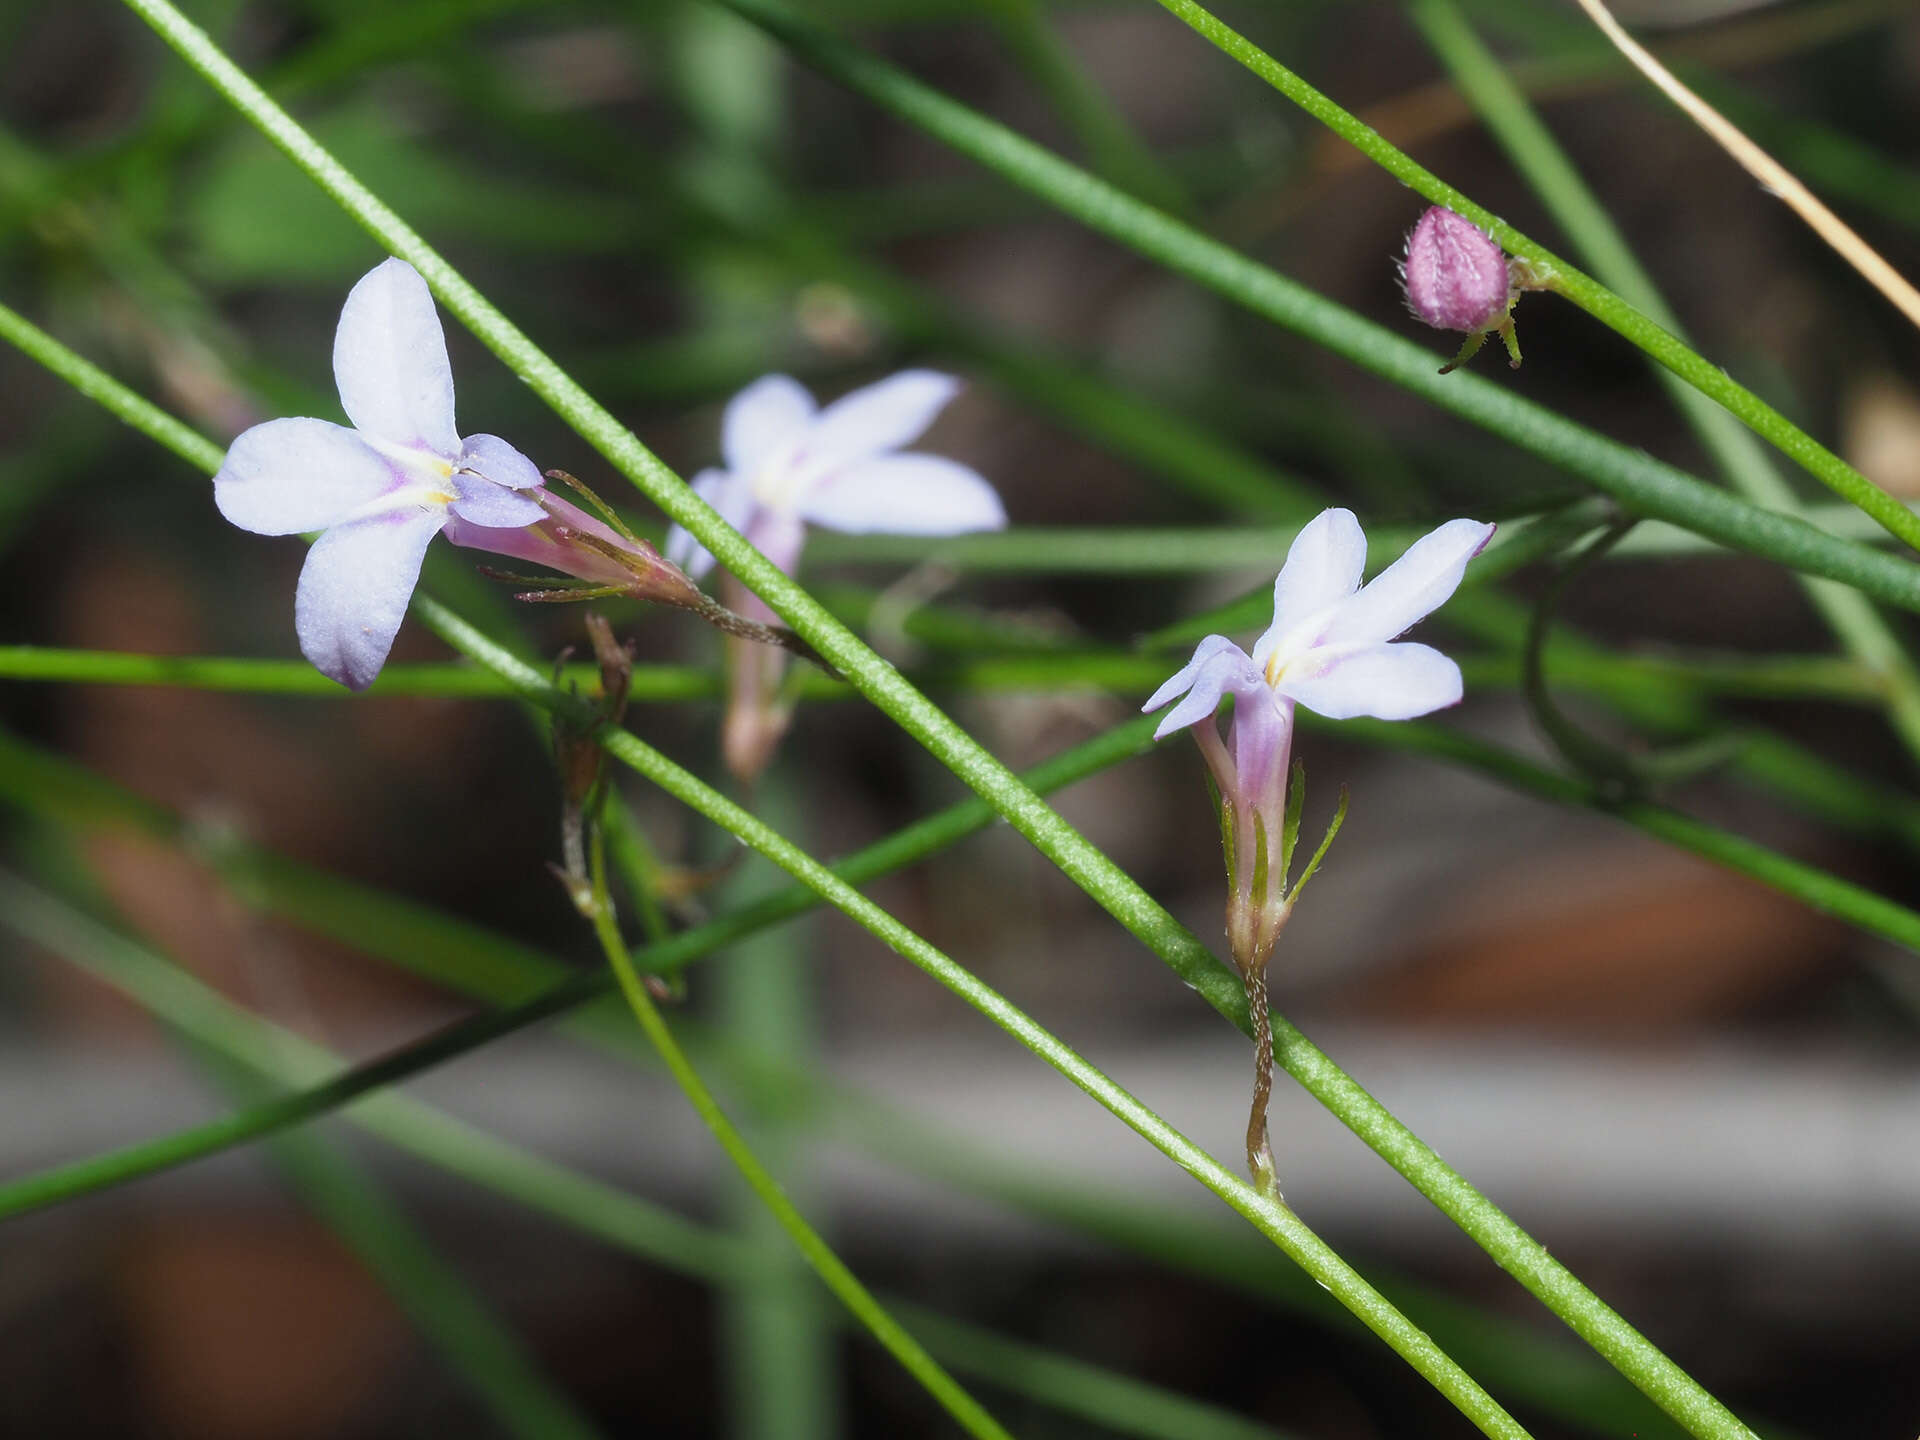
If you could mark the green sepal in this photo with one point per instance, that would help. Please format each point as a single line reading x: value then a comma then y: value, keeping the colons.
x: 1290, y: 823
x: 1326, y: 842
x: 1260, y: 867
x: 1223, y: 813
x: 600, y: 507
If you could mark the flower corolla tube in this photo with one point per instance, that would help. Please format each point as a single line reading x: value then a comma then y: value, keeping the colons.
x: 790, y: 464
x: 1333, y: 648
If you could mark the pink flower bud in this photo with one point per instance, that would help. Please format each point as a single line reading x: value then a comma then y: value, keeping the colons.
x: 1455, y: 275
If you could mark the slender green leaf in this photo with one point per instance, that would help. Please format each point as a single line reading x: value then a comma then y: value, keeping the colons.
x: 1596, y: 299
x: 590, y: 1205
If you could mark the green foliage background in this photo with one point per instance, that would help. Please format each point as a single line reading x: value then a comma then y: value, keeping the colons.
x: 1170, y: 289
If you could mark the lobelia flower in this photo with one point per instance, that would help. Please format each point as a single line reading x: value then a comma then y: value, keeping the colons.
x: 380, y: 490
x: 790, y: 464
x: 1457, y: 278
x: 1332, y: 647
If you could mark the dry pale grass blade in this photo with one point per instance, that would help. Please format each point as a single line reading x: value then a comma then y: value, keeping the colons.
x: 1764, y: 168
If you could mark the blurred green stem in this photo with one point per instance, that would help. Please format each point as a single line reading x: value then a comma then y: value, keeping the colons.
x: 1778, y: 677
x: 1547, y: 168
x: 1116, y: 152
x: 1596, y: 299
x: 1703, y: 508
x: 568, y: 1196
x: 784, y: 1382
x: 837, y: 1277
x: 481, y: 1352
x: 1644, y: 485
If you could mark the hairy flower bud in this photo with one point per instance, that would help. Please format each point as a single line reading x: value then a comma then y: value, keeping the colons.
x: 1456, y: 277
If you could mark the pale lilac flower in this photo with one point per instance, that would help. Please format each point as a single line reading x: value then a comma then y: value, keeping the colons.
x: 380, y: 490
x: 1331, y: 648
x: 791, y: 464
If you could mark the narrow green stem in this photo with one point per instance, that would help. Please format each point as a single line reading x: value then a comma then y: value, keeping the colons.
x: 590, y: 1206
x: 1589, y: 294
x: 1271, y: 1218
x: 1647, y: 486
x: 481, y: 1352
x: 1620, y: 677
x: 1048, y: 831
x: 296, y: 677
x: 832, y: 1271
x: 1117, y: 152
x: 1531, y: 146
x: 1524, y: 1361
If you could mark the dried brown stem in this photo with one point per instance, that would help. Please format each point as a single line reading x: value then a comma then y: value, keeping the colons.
x: 1259, y: 1143
x: 732, y: 623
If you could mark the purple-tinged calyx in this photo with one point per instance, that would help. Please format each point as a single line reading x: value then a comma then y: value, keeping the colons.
x: 1457, y: 278
x: 571, y: 541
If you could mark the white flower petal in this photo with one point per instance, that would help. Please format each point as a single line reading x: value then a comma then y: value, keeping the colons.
x: 1218, y: 666
x: 904, y: 495
x: 1183, y: 678
x: 1324, y: 565
x: 491, y: 483
x: 495, y: 459
x: 390, y: 361
x: 883, y: 416
x: 1410, y: 588
x: 1200, y: 704
x: 1388, y: 682
x: 729, y: 493
x: 287, y: 476
x: 481, y: 502
x: 354, y: 591
x: 761, y: 418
